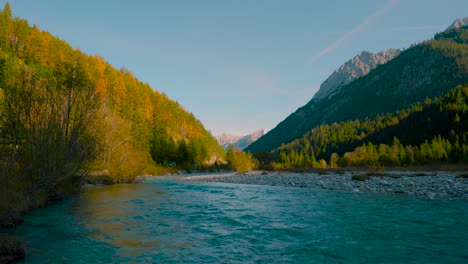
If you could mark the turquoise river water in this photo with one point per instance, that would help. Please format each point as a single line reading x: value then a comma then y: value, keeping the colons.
x: 163, y: 220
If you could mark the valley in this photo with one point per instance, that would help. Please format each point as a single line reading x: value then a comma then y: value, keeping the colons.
x: 99, y: 166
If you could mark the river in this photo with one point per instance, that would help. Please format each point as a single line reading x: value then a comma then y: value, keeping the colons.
x: 163, y: 220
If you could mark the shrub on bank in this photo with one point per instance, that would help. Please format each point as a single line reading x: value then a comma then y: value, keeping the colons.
x: 360, y: 177
x: 240, y: 161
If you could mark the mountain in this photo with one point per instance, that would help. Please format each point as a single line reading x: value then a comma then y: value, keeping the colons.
x: 240, y: 142
x: 358, y: 66
x: 458, y: 23
x: 245, y: 141
x: 429, y: 131
x: 226, y: 139
x: 425, y: 70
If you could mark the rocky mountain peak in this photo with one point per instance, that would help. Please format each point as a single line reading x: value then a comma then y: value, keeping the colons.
x: 358, y: 66
x: 226, y: 140
x: 458, y: 23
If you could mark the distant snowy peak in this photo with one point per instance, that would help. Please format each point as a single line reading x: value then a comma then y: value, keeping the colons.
x: 458, y: 23
x: 358, y: 66
x: 226, y: 140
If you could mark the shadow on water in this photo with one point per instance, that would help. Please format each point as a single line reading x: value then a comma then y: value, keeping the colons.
x: 164, y: 220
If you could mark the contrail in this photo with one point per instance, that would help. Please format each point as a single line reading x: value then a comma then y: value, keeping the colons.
x: 369, y: 20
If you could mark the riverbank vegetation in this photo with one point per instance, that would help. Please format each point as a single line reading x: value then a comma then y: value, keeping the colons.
x: 240, y: 161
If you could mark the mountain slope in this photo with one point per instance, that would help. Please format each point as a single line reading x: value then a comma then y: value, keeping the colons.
x: 425, y: 70
x: 356, y: 67
x: 433, y: 130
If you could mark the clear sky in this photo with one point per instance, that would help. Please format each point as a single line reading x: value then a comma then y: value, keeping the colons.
x: 238, y: 65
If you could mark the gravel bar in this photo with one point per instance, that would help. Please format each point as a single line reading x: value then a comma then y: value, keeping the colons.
x: 433, y: 185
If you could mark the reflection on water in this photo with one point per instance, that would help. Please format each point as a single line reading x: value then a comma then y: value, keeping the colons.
x: 163, y: 220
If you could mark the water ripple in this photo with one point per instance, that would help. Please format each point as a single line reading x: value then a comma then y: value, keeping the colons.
x: 163, y: 220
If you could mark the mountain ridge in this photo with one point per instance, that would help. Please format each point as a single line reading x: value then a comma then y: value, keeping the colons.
x: 356, y: 67
x: 458, y: 23
x: 427, y: 69
x: 227, y: 140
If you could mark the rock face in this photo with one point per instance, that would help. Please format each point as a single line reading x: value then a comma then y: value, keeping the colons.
x: 226, y: 139
x: 458, y: 23
x: 245, y: 141
x: 241, y: 142
x: 358, y: 66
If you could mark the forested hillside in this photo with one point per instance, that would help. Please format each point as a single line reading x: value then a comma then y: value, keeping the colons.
x: 63, y: 113
x: 429, y: 131
x: 424, y: 70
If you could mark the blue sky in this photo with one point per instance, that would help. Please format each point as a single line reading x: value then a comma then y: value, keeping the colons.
x: 241, y: 65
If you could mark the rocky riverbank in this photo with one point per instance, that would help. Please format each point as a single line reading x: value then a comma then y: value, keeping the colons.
x: 433, y: 185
